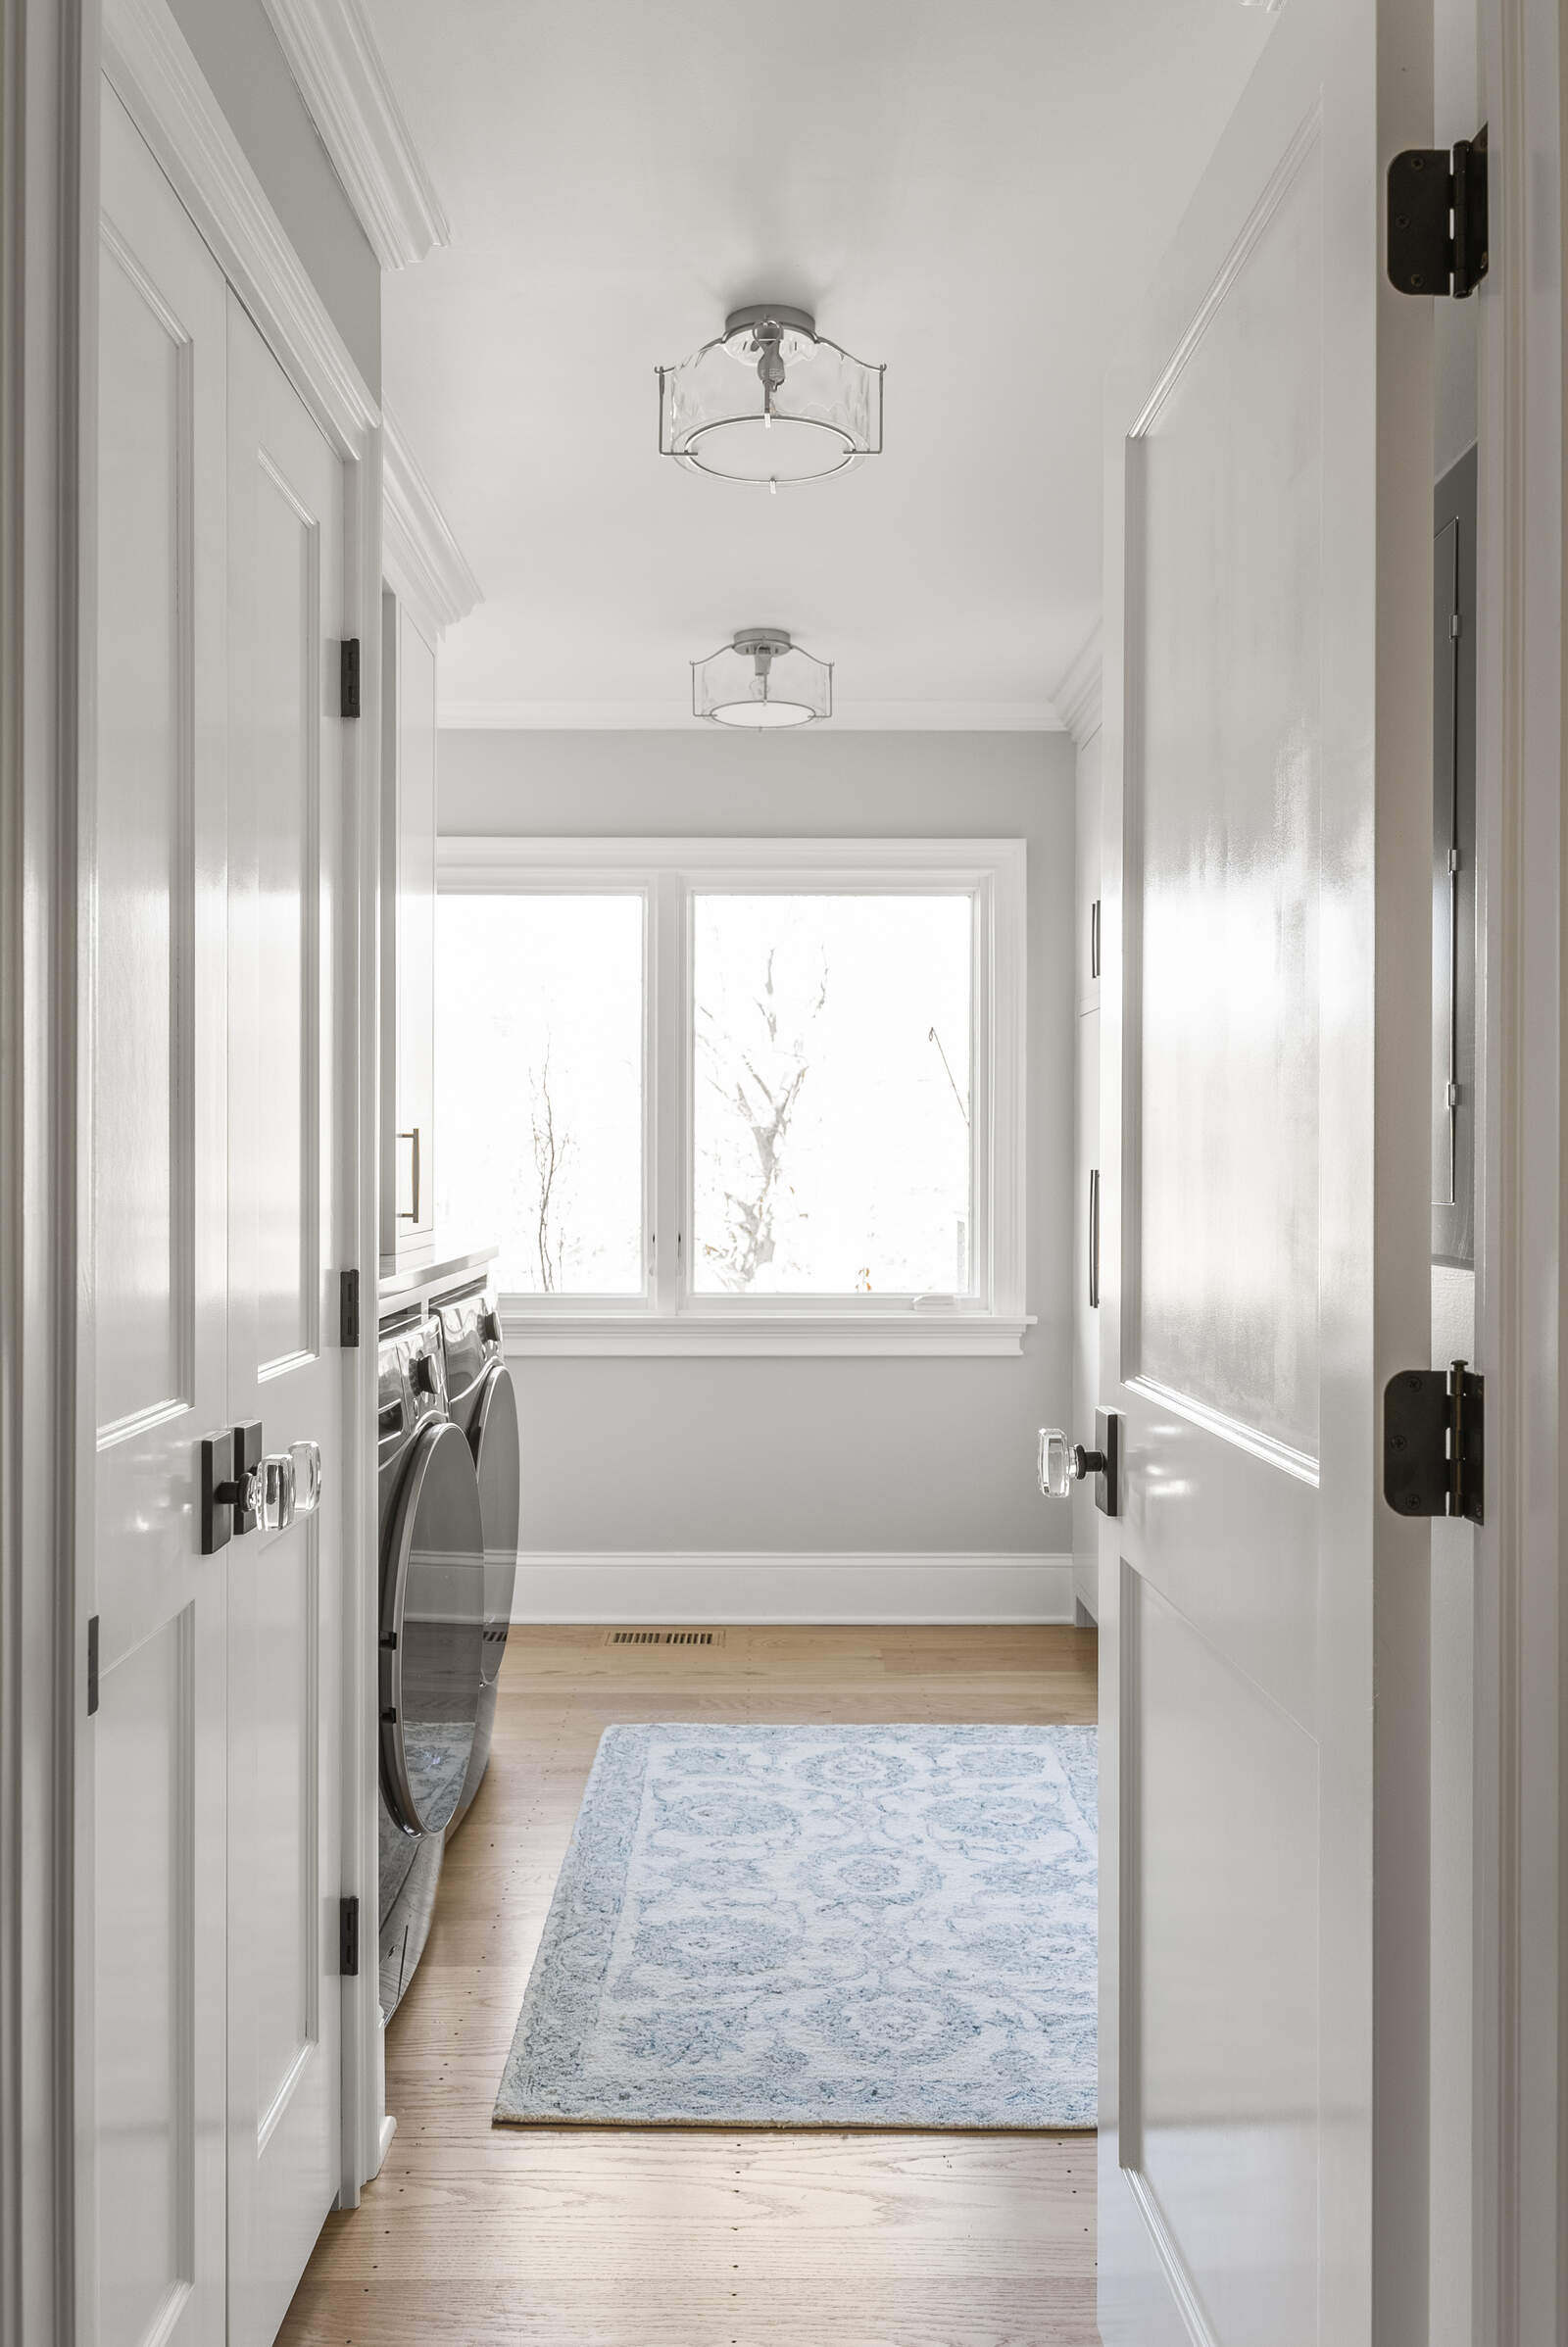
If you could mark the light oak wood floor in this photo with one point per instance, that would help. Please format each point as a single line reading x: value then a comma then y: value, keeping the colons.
x: 681, y: 2239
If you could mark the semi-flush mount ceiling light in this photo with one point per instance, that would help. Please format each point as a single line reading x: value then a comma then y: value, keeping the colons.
x: 760, y: 678
x: 770, y: 402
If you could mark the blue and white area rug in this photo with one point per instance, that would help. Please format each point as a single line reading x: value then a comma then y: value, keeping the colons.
x: 819, y: 1927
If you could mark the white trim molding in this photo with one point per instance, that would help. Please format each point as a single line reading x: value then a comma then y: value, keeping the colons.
x: 150, y: 65
x: 673, y: 714
x: 332, y: 54
x: 1077, y: 696
x: 669, y: 1314
x: 1520, y: 2142
x: 818, y: 1335
x: 640, y: 1587
x: 422, y: 559
x: 49, y: 86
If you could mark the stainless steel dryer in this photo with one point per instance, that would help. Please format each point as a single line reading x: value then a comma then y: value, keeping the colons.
x: 481, y: 1400
x: 432, y: 1632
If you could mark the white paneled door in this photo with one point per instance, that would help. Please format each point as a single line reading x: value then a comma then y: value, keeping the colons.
x: 288, y: 1228
x: 1265, y: 1163
x: 160, y: 1039
x: 221, y: 1220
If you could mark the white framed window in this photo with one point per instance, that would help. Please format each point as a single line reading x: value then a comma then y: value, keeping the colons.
x: 737, y: 1096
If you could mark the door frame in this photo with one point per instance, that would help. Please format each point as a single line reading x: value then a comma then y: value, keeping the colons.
x: 47, y: 189
x: 1520, y: 2068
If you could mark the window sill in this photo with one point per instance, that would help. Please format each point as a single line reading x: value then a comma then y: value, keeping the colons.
x: 766, y: 1336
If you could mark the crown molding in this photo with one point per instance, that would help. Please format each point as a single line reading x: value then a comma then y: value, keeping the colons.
x: 332, y: 54
x: 1077, y: 693
x: 660, y: 716
x: 150, y: 64
x: 420, y: 554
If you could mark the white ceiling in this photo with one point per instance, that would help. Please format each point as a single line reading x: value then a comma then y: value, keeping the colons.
x: 972, y: 190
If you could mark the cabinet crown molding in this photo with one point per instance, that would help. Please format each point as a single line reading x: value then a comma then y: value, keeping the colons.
x: 422, y: 559
x: 332, y: 54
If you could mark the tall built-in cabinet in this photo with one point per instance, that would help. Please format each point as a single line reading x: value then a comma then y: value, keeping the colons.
x: 408, y: 928
x: 428, y: 587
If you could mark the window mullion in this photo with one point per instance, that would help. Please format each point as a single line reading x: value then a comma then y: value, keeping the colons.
x: 667, y: 1087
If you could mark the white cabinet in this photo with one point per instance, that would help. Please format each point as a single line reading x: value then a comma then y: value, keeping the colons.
x: 428, y: 587
x: 407, y: 932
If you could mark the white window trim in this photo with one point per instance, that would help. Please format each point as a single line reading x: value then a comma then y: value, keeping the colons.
x: 667, y: 1318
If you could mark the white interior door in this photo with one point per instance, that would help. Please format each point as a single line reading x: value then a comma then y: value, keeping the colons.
x: 287, y: 1223
x: 1266, y: 1011
x: 158, y: 917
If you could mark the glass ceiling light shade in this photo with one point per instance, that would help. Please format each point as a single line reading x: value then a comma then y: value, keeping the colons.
x: 770, y: 402
x: 761, y: 679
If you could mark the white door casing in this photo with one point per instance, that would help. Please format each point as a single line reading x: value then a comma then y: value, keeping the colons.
x: 287, y: 1231
x: 157, y: 919
x: 1266, y: 1022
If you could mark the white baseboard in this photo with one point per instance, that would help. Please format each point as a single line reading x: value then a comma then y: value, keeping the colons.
x: 669, y: 1586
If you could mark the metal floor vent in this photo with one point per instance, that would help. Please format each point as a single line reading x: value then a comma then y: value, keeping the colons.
x: 664, y: 1638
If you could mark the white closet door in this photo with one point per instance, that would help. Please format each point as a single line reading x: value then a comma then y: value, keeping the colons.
x: 287, y: 1220
x: 1266, y: 1008
x: 158, y: 1038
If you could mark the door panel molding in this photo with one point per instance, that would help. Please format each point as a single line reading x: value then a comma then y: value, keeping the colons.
x: 150, y: 64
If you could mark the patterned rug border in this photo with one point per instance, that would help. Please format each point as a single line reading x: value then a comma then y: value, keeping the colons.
x: 623, y: 1748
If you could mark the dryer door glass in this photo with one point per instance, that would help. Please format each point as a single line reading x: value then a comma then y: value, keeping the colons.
x: 431, y: 1672
x: 497, y: 1458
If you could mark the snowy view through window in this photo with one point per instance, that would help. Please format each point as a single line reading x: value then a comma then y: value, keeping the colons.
x: 539, y: 1087
x: 832, y: 1095
x: 830, y: 1115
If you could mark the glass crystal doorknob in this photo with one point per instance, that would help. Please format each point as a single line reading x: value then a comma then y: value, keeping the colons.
x: 1055, y: 1462
x: 291, y: 1485
x: 307, y: 1457
x: 1063, y: 1464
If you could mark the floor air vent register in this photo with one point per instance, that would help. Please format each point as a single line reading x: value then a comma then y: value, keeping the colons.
x: 664, y: 1638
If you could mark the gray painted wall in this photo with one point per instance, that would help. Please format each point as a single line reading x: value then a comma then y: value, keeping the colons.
x: 838, y: 1455
x: 237, y: 50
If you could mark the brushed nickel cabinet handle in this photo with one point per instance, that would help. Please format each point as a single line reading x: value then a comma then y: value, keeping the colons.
x: 413, y: 1138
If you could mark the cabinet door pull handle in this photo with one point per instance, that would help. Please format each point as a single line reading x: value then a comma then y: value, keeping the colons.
x: 412, y: 1214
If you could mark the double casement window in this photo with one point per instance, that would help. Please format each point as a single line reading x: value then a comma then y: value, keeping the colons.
x: 737, y: 1096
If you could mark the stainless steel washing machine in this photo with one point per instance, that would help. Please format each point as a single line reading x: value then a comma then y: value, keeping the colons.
x: 432, y: 1632
x: 481, y: 1400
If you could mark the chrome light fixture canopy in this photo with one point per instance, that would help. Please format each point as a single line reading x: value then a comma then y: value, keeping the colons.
x: 761, y: 679
x: 770, y: 402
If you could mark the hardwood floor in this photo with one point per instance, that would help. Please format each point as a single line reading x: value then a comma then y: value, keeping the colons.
x: 588, y: 2237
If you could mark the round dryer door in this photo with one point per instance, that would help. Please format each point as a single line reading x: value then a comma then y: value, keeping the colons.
x: 498, y: 1463
x: 432, y: 1632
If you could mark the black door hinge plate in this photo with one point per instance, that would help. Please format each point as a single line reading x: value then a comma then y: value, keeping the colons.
x: 228, y: 1461
x: 1438, y: 219
x: 350, y: 673
x: 348, y: 1938
x: 348, y: 1308
x: 92, y: 1664
x: 1108, y: 1453
x: 1433, y: 1443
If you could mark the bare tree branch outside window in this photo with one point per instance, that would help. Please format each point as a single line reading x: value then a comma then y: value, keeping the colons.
x: 552, y: 1143
x: 761, y: 1081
